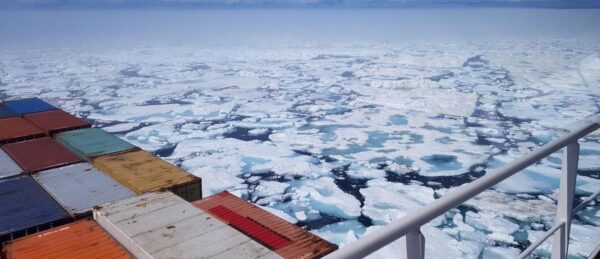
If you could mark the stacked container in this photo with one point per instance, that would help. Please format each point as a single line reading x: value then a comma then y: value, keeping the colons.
x: 286, y: 239
x: 163, y: 225
x: 93, y: 142
x: 25, y: 208
x: 81, y: 239
x: 13, y: 129
x: 29, y: 105
x: 5, y: 112
x: 40, y: 154
x: 142, y: 172
x: 79, y: 187
x: 55, y: 121
x: 8, y: 167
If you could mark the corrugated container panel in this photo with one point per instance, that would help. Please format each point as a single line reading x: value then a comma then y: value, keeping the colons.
x: 56, y: 121
x: 26, y: 208
x: 5, y: 112
x: 163, y: 225
x: 302, y: 244
x: 142, y: 172
x: 28, y: 105
x: 8, y: 167
x: 81, y: 239
x: 40, y: 154
x: 80, y: 187
x: 18, y: 129
x: 93, y: 142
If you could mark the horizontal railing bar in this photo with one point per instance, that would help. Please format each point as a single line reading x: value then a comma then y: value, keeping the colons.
x: 535, y: 245
x: 585, y: 202
x: 399, y: 228
x: 595, y: 254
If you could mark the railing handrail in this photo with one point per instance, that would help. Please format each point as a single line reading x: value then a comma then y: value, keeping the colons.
x: 412, y: 222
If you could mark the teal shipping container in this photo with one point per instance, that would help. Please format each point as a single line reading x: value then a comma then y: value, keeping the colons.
x: 93, y: 142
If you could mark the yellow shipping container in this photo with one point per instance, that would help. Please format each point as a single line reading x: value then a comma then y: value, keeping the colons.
x: 142, y: 172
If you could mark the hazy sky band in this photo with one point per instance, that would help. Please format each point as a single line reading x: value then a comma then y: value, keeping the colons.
x: 302, y: 3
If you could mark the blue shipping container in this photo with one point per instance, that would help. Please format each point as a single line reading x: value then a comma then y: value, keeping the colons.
x: 29, y: 105
x: 5, y: 112
x: 25, y: 208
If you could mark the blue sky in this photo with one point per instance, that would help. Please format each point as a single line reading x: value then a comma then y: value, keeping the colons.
x: 298, y: 3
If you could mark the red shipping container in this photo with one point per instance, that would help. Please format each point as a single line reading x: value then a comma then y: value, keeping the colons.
x: 56, y: 121
x: 284, y: 238
x: 40, y: 154
x: 16, y: 129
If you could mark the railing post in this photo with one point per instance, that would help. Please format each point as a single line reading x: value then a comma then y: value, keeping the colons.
x: 415, y: 245
x: 568, y: 176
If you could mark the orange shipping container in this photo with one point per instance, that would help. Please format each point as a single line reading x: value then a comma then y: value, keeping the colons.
x: 142, y: 172
x: 284, y: 238
x: 81, y: 239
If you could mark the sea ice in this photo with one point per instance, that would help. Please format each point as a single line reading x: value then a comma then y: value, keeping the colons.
x: 269, y: 188
x: 496, y: 252
x: 386, y: 201
x: 324, y: 195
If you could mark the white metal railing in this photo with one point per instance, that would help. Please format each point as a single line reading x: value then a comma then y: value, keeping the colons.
x: 410, y: 226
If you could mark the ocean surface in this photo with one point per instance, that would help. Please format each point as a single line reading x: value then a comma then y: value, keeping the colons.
x: 341, y: 121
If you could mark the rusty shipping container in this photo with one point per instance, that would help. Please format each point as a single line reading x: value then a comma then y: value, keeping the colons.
x: 142, y: 172
x: 81, y: 239
x: 286, y: 239
x: 25, y: 208
x: 40, y: 154
x: 163, y: 225
x: 80, y: 187
x: 29, y: 105
x: 8, y: 167
x: 55, y: 121
x: 17, y: 129
x: 93, y: 142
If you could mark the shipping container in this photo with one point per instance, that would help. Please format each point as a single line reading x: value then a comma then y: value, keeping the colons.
x: 17, y: 129
x: 286, y: 239
x: 93, y: 142
x: 56, y: 121
x: 8, y: 167
x: 40, y: 154
x: 25, y: 208
x: 163, y: 225
x: 5, y: 112
x: 81, y: 239
x: 80, y: 187
x: 142, y: 172
x: 28, y: 105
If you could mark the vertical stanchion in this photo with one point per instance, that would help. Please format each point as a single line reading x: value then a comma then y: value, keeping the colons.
x: 415, y: 245
x: 568, y: 176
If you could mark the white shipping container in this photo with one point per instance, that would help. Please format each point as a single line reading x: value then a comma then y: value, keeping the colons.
x: 80, y: 187
x: 8, y: 167
x: 163, y: 225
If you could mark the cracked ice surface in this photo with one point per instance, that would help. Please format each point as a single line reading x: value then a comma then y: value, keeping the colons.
x: 344, y: 138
